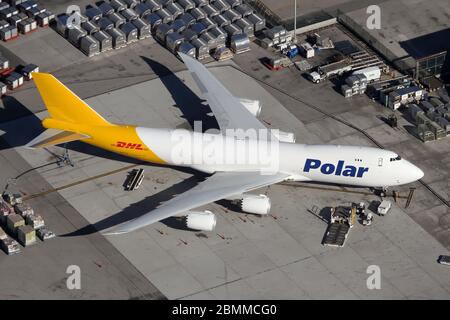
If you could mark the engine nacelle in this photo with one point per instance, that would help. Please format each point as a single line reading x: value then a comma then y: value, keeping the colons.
x: 254, y: 106
x: 201, y: 220
x: 284, y: 136
x: 257, y: 204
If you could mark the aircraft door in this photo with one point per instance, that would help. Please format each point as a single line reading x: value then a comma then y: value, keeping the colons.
x: 380, y: 162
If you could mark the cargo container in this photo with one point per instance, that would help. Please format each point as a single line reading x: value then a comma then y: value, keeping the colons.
x: 426, y: 106
x: 165, y: 15
x: 414, y: 110
x: 3, y: 24
x: 208, y: 23
x: 75, y: 35
x: 175, y: 10
x: 222, y: 53
x: 371, y: 73
x: 239, y: 43
x: 209, y: 39
x: 3, y: 5
x: 142, y: 10
x: 90, y: 27
x: 424, y: 133
x: 24, y: 26
x: 26, y: 235
x: 12, y: 198
x: 186, y: 4
x: 153, y: 20
x: 130, y: 31
x: 221, y: 21
x: 154, y: 5
x: 3, y: 234
x: 444, y: 123
x: 232, y: 30
x: 44, y: 233
x: 118, y: 38
x: 178, y: 26
x: 105, y: 24
x: 23, y: 209
x: 8, y: 12
x: 5, y: 210
x: 201, y: 48
x: 162, y: 31
x: 35, y: 221
x: 347, y: 91
x: 189, y: 35
x: 62, y: 25
x: 437, y: 130
x: 210, y: 10
x: 89, y: 46
x: 173, y: 41
x: 245, y: 26
x: 27, y: 71
x: 165, y: 2
x: 276, y: 32
x: 106, y: 8
x: 24, y: 6
x: 234, y: 3
x: 198, y: 13
x: 244, y: 10
x: 436, y: 103
x: 94, y: 14
x: 307, y: 50
x: 118, y: 5
x: 220, y: 35
x: 259, y: 23
x: 14, y: 20
x: 10, y: 246
x: 188, y: 19
x: 44, y: 19
x: 129, y: 14
x: 200, y: 3
x: 187, y: 49
x: 198, y: 28
x: 14, y: 80
x: 13, y: 221
x: 104, y: 40
x: 143, y: 28
x: 232, y: 15
x: 117, y: 19
x: 221, y: 5
x: 131, y: 3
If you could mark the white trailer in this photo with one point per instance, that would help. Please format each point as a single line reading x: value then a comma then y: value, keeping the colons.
x: 371, y: 73
x: 307, y: 50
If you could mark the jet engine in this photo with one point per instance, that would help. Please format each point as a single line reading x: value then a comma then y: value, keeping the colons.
x: 257, y: 204
x: 284, y: 136
x: 254, y: 106
x: 201, y: 220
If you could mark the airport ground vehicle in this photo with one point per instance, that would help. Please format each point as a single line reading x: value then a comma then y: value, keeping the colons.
x: 384, y: 207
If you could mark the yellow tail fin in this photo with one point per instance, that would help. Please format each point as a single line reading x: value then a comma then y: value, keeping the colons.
x: 63, y: 104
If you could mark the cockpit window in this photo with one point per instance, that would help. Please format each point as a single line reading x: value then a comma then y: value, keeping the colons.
x: 396, y: 159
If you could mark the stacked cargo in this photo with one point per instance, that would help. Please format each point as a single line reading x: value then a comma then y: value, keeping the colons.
x: 276, y: 37
x: 354, y: 85
x: 26, y: 235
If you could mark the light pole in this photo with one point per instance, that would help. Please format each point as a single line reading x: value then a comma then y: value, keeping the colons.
x: 295, y: 21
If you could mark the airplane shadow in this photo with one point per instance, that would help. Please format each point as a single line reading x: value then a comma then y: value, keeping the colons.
x: 192, y: 107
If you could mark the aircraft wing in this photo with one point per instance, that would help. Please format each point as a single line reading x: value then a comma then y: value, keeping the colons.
x: 228, y: 110
x: 218, y: 186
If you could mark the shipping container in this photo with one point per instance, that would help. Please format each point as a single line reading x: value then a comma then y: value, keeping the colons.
x: 89, y: 46
x: 187, y: 49
x: 90, y: 27
x: 3, y: 24
x: 426, y: 106
x: 198, y: 28
x: 165, y: 15
x: 208, y: 23
x: 221, y: 5
x: 131, y: 32
x: 198, y: 14
x: 153, y: 20
x: 188, y: 19
x: 437, y: 130
x: 143, y: 28
x: 118, y: 38
x: 209, y: 39
x: 154, y: 5
x: 26, y: 235
x: 104, y: 40
x: 93, y: 13
x: 75, y: 34
x: 14, y: 20
x: 346, y: 91
x: 118, y: 5
x: 220, y: 35
x: 259, y: 23
x: 239, y: 43
x: 276, y: 32
x: 210, y: 10
x: 27, y: 71
x: 221, y: 21
x: 173, y: 41
x: 245, y: 26
x: 165, y: 2
x: 232, y: 30
x: 445, y: 124
x: 24, y: 26
x: 131, y: 3
x: 106, y: 8
x: 189, y: 35
x: 4, y: 63
x: 414, y: 110
x: 200, y: 3
x: 129, y: 14
x: 175, y: 10
x: 232, y: 15
x: 162, y: 31
x: 35, y: 221
x: 117, y: 19
x: 234, y: 3
x: 105, y: 24
x: 42, y: 19
x: 201, y: 48
x: 13, y: 221
x: 142, y: 10
x: 178, y: 26
x: 186, y: 4
x: 244, y: 10
x: 436, y: 102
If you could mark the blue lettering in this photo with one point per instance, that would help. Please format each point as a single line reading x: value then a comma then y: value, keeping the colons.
x: 339, y: 169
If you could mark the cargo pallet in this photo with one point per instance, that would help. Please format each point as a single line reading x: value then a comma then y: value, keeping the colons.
x: 336, y: 234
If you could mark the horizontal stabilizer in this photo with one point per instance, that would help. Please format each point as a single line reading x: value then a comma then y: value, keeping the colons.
x: 51, y: 137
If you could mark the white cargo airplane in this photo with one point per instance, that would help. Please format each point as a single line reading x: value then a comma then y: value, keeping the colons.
x: 262, y: 160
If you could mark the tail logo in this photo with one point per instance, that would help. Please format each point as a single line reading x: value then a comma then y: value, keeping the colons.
x: 128, y: 145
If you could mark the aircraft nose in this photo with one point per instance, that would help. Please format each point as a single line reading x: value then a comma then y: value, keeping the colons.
x: 414, y: 172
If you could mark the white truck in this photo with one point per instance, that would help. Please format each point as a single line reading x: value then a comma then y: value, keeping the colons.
x: 384, y: 207
x: 371, y: 73
x: 330, y: 70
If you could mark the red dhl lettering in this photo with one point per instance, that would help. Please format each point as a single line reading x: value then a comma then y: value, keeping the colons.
x: 129, y: 145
